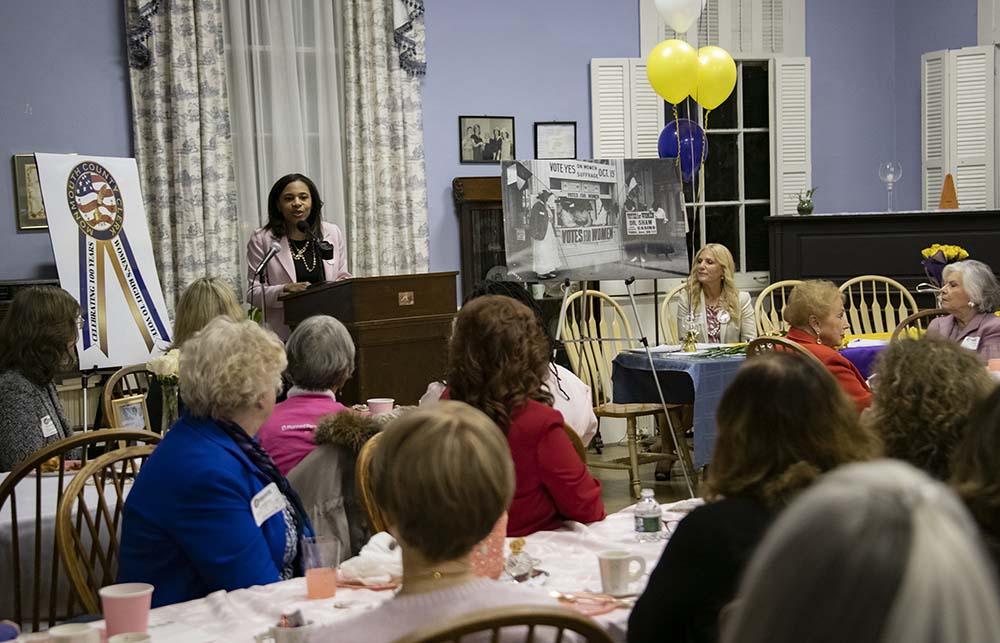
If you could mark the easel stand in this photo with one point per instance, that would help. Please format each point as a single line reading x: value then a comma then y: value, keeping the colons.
x: 85, y: 375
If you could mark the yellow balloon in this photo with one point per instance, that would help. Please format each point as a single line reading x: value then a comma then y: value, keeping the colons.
x: 672, y: 69
x: 716, y: 77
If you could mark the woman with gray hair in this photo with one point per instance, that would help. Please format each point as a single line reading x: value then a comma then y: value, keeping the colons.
x: 320, y: 361
x: 874, y: 553
x: 970, y: 294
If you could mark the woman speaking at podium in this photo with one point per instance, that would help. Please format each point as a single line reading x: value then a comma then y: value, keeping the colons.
x: 307, y: 250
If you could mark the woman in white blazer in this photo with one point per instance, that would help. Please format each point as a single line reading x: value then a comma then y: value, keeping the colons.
x: 300, y: 260
x: 721, y: 314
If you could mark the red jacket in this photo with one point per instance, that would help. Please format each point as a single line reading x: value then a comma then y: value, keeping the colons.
x: 847, y: 374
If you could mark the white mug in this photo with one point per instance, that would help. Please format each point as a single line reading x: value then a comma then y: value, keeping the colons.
x: 131, y: 637
x: 287, y: 634
x: 616, y: 573
x: 74, y: 633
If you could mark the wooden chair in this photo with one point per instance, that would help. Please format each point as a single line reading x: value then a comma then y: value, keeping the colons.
x: 668, y: 315
x: 130, y: 380
x: 576, y: 441
x: 916, y: 322
x: 40, y: 596
x: 88, y: 532
x: 763, y: 345
x: 876, y: 304
x: 363, y: 485
x: 591, y: 316
x: 533, y: 621
x: 770, y: 302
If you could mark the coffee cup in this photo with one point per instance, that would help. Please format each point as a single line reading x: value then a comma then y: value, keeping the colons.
x: 74, y: 633
x: 616, y: 572
x: 378, y: 405
x: 286, y: 634
x: 126, y: 607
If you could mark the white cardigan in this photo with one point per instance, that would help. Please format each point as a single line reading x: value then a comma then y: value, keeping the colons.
x: 742, y: 327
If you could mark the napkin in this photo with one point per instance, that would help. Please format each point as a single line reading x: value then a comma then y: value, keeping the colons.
x: 379, y: 562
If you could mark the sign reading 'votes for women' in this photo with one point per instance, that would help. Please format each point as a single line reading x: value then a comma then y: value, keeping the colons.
x: 97, y: 224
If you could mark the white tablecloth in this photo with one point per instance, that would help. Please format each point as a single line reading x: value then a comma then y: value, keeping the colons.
x: 569, y: 555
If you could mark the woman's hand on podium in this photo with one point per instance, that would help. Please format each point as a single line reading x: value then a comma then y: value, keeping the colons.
x: 296, y: 286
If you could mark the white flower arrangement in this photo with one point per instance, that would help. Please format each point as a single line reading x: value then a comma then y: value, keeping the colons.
x: 166, y: 367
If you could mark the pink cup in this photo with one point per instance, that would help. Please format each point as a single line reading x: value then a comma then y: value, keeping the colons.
x: 126, y: 607
x: 378, y: 405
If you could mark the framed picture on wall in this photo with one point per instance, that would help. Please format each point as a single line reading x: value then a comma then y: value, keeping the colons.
x: 555, y: 140
x: 485, y: 139
x: 130, y: 413
x: 28, y: 194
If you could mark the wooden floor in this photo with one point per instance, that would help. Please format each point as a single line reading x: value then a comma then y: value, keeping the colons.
x: 615, y: 487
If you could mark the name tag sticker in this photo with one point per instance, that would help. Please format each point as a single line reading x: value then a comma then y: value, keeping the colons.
x: 48, y: 427
x: 266, y: 503
x: 972, y: 343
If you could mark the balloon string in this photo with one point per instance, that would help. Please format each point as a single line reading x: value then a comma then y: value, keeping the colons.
x: 677, y: 135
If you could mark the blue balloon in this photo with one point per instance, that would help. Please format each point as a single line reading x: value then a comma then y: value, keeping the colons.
x: 685, y: 139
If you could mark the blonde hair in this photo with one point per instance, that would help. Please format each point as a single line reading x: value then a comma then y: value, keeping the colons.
x: 227, y: 365
x: 730, y: 298
x: 811, y: 298
x: 444, y: 475
x: 202, y: 301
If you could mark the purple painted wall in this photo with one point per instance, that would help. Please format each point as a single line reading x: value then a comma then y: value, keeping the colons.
x: 65, y: 89
x: 530, y: 60
x: 922, y: 26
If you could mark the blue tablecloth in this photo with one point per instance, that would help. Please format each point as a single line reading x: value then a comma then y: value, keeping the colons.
x: 684, y: 380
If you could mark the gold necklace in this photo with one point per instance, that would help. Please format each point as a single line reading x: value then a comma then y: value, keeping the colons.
x: 300, y: 254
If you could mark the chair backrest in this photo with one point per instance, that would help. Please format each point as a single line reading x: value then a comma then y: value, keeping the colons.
x: 532, y: 621
x: 668, y: 315
x: 33, y: 501
x: 917, y: 322
x: 770, y: 302
x: 763, y: 345
x: 88, y: 530
x: 591, y: 315
x: 364, y: 485
x: 576, y: 441
x: 130, y: 380
x: 876, y: 304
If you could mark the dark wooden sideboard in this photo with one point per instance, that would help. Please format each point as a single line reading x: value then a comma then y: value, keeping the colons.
x: 479, y: 207
x: 840, y: 246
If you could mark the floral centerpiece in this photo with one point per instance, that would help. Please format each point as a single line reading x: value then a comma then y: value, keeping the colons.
x: 166, y: 368
x: 937, y: 257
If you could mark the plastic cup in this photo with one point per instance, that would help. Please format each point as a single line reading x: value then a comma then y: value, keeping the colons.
x: 378, y: 405
x: 126, y: 607
x: 319, y: 557
x: 74, y: 633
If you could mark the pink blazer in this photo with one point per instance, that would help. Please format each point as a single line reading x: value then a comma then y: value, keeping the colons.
x: 985, y: 326
x: 281, y: 271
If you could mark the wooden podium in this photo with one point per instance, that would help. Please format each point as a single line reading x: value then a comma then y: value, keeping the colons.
x: 400, y: 326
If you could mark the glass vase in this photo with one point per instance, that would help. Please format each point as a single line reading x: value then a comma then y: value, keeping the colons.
x: 169, y: 406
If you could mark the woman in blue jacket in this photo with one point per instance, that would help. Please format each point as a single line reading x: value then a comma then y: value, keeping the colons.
x: 209, y: 510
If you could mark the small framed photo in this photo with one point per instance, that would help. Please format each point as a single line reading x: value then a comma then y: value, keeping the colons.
x: 555, y: 140
x: 28, y: 191
x: 485, y: 139
x: 130, y: 413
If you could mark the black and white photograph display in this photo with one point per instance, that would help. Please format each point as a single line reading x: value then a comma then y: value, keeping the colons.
x: 486, y: 139
x: 599, y: 219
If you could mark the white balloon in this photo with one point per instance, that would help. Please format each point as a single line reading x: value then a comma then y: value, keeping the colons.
x: 680, y: 15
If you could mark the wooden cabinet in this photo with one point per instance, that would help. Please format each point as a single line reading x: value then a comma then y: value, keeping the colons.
x: 479, y: 207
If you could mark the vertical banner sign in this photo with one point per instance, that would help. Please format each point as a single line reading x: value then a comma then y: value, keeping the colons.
x: 94, y: 220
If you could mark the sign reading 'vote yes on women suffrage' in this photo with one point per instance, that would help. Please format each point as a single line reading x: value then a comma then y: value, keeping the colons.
x: 97, y: 224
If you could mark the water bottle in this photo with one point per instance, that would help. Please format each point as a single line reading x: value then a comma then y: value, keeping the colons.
x: 648, y: 518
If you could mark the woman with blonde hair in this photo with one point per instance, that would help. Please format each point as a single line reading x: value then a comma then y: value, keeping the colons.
x: 815, y: 312
x: 720, y: 313
x: 202, y: 301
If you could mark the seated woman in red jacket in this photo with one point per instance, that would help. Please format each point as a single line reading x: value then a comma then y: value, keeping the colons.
x: 498, y: 360
x: 815, y: 311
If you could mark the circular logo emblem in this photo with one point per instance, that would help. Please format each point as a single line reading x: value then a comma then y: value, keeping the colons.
x: 95, y: 201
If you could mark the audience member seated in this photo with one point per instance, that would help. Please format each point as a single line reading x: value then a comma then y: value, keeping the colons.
x: 971, y: 295
x: 37, y: 340
x: 570, y: 395
x: 210, y: 510
x: 722, y: 314
x: 320, y: 361
x: 925, y: 391
x: 766, y: 451
x: 874, y: 552
x: 202, y: 301
x: 498, y: 361
x: 975, y: 470
x: 443, y: 476
x: 815, y: 312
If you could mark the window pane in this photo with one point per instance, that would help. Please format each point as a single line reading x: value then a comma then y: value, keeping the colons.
x: 724, y: 116
x: 722, y: 225
x: 689, y: 192
x: 755, y: 101
x: 756, y: 166
x: 687, y: 109
x: 722, y: 168
x: 757, y: 243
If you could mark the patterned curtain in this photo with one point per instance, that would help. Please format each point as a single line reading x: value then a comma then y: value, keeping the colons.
x: 386, y: 186
x: 183, y: 146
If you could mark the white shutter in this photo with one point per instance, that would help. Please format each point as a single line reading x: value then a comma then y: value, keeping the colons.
x: 773, y: 27
x: 790, y: 133
x: 646, y: 114
x: 708, y: 25
x: 934, y: 145
x: 610, y: 111
x: 970, y: 127
x: 988, y: 19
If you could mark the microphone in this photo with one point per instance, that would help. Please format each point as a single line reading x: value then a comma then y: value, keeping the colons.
x: 275, y: 249
x: 325, y: 247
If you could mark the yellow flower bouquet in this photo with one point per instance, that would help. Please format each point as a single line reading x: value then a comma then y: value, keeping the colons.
x: 936, y: 257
